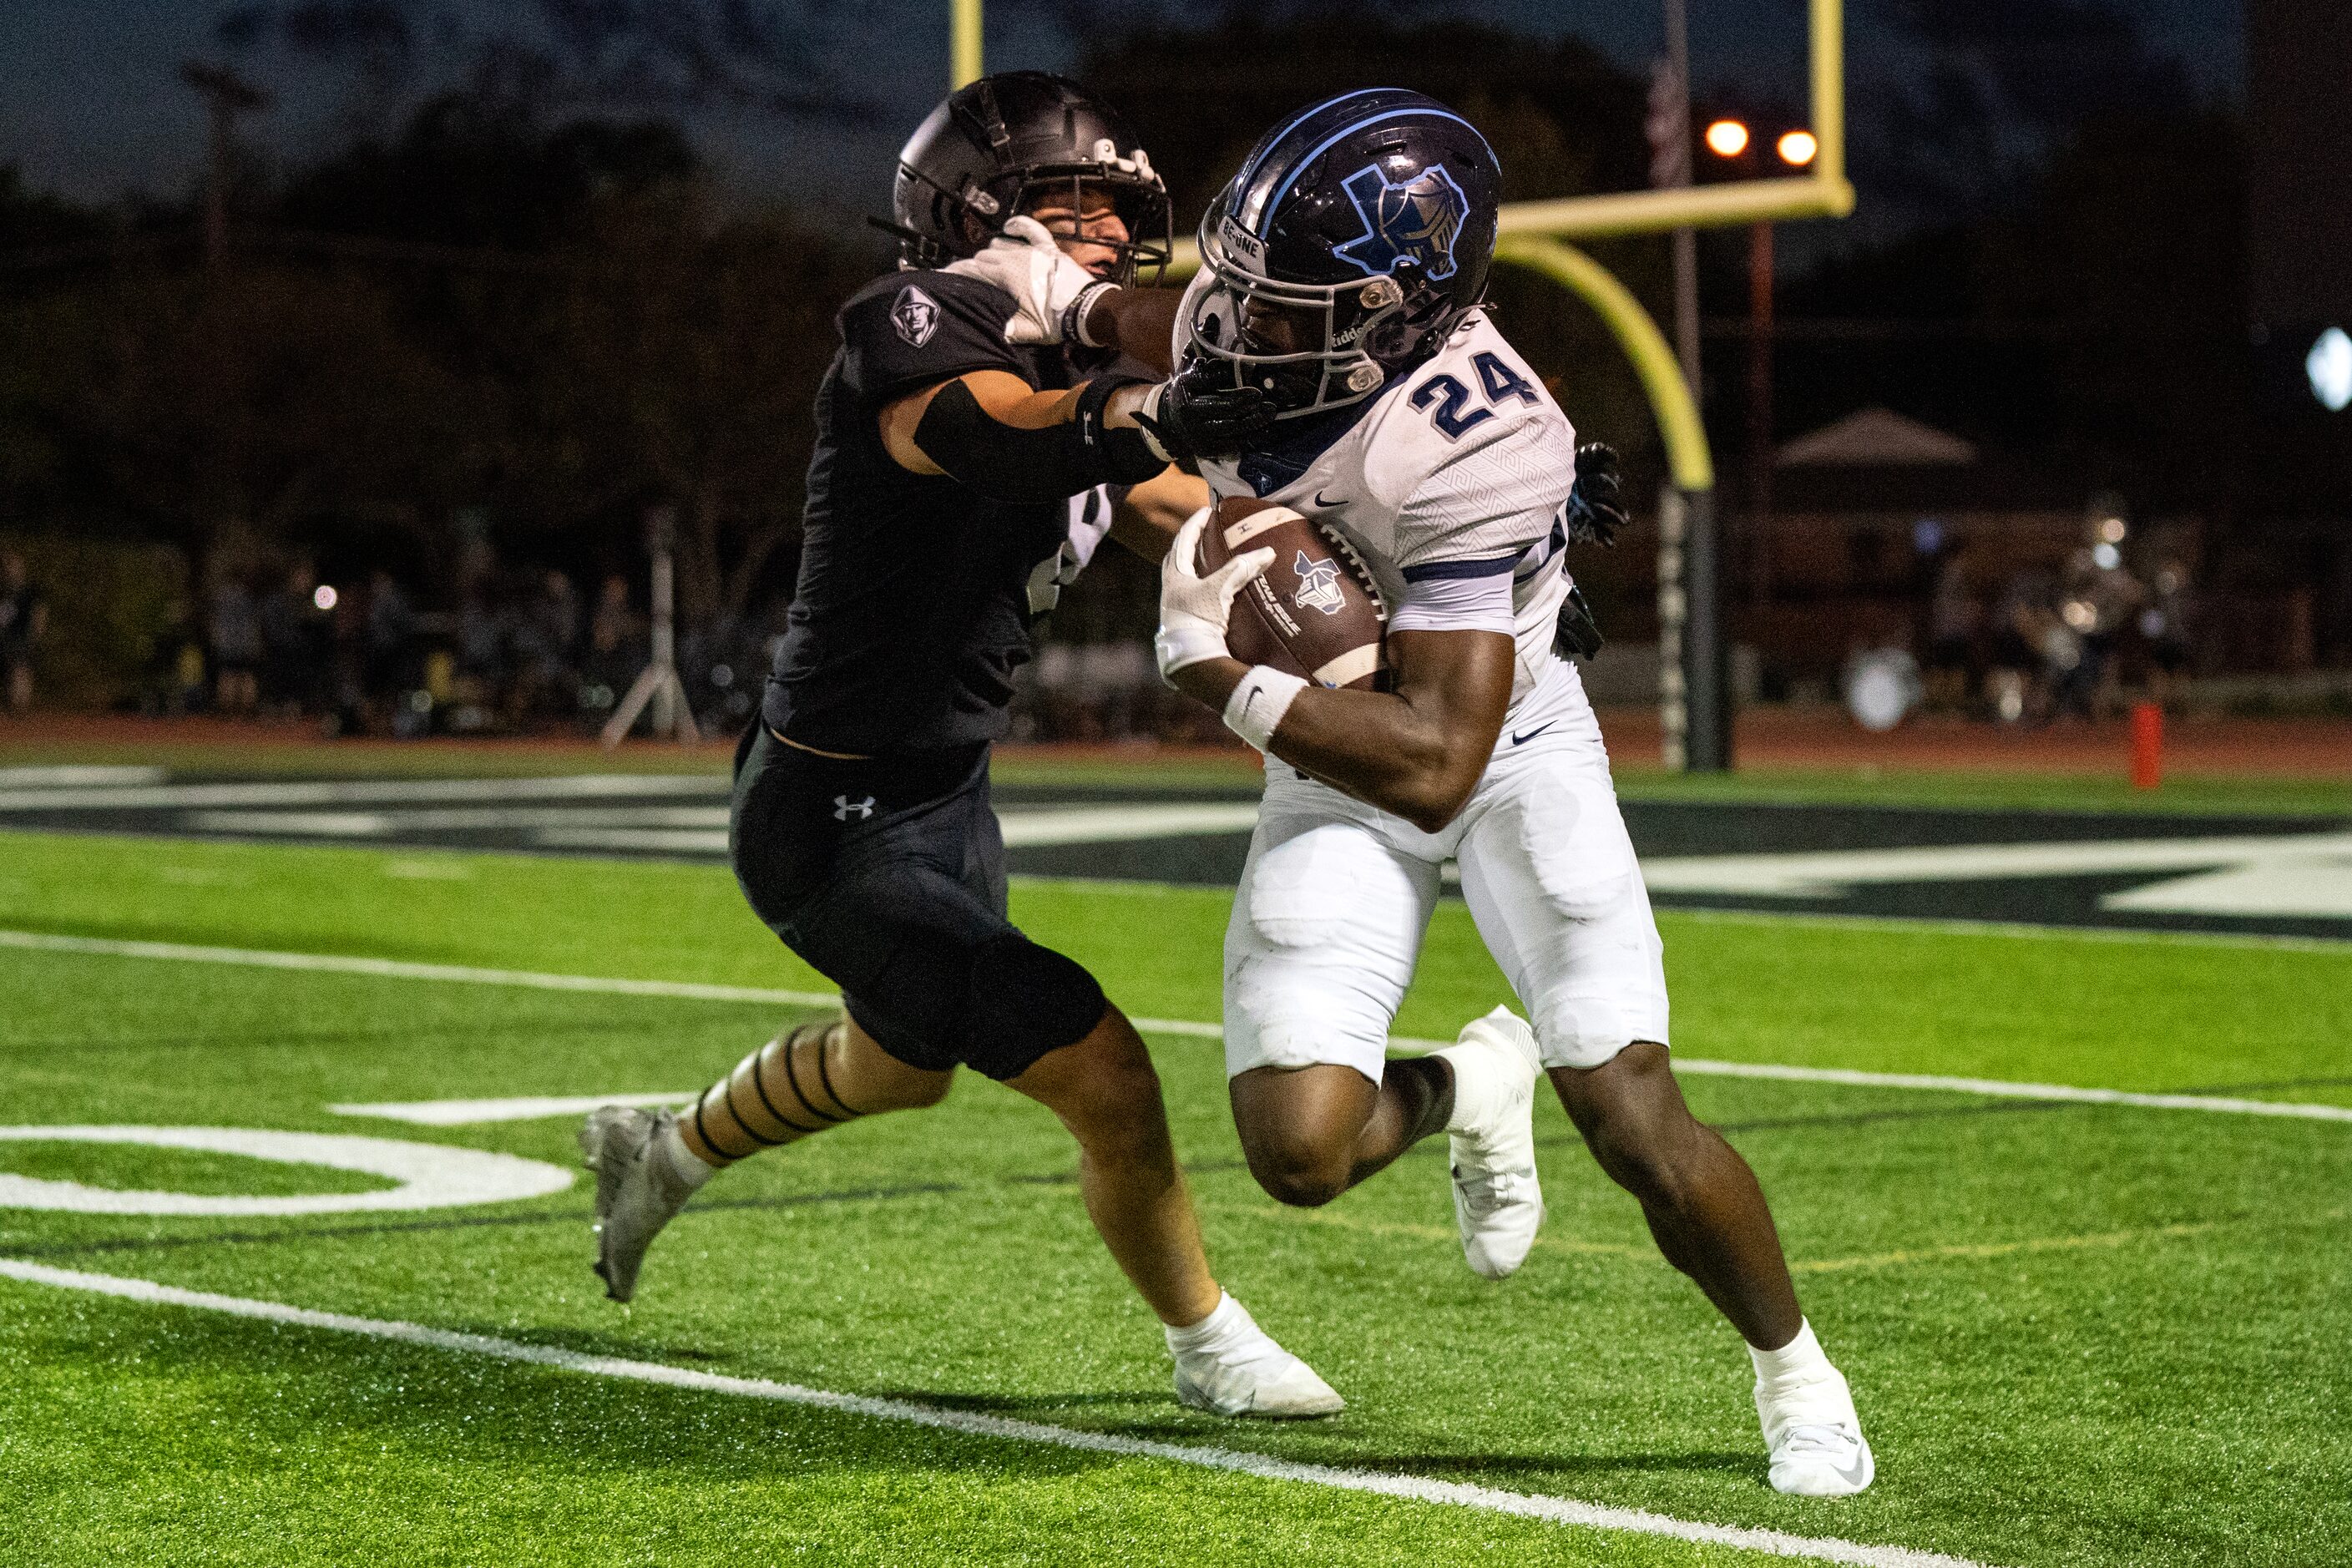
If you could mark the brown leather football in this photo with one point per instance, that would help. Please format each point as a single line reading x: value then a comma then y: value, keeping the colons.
x: 1315, y: 611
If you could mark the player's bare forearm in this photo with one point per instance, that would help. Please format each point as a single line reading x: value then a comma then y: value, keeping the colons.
x: 1416, y: 751
x: 1153, y: 510
x: 1138, y: 322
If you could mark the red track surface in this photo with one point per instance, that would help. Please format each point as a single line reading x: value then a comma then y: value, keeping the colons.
x: 1768, y: 740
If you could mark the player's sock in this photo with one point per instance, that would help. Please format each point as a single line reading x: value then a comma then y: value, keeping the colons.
x: 1224, y: 1321
x: 681, y: 1163
x: 1801, y: 1356
x: 1811, y: 1429
x: 1491, y: 1143
x: 777, y: 1095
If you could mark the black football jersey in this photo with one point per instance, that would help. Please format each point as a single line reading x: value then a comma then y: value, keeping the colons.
x: 914, y: 600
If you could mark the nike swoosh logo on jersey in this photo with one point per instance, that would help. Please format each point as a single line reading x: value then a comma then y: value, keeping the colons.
x: 1321, y: 500
x: 1520, y: 740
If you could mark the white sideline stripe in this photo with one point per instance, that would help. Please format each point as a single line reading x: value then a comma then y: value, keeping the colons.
x: 1116, y: 823
x: 640, y: 841
x: 1818, y: 874
x: 2008, y: 1090
x: 2333, y: 947
x: 695, y: 991
x: 1408, y: 1489
x: 82, y: 777
x: 331, y: 824
x: 368, y: 792
x: 474, y: 1113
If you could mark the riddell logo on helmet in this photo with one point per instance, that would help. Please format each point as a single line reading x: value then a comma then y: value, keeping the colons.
x: 1417, y: 220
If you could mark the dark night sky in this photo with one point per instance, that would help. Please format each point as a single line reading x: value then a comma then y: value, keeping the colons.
x: 89, y: 105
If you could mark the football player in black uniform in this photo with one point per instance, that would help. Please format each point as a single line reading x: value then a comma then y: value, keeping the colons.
x: 975, y: 439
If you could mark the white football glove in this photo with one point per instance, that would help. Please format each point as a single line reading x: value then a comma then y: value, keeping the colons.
x: 1024, y: 261
x: 1194, y: 609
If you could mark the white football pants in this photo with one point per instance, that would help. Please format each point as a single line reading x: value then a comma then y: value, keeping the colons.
x: 1328, y: 920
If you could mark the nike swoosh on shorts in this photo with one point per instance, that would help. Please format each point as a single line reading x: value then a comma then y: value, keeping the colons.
x: 1520, y: 740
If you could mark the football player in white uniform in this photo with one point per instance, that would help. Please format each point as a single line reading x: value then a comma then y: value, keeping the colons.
x: 1333, y: 359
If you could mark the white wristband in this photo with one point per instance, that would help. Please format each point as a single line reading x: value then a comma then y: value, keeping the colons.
x: 1255, y: 710
x: 1074, y: 315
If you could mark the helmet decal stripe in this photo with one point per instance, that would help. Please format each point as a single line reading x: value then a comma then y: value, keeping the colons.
x: 1250, y: 172
x: 1300, y: 165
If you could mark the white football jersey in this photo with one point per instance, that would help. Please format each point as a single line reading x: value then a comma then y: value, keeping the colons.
x: 1455, y: 478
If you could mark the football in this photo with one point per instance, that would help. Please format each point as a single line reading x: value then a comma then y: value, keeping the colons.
x: 1315, y: 611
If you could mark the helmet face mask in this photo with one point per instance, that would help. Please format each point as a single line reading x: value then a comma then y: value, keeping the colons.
x: 1355, y: 236
x: 1010, y: 142
x: 1303, y: 344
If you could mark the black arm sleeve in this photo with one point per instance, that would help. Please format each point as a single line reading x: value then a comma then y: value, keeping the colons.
x: 1009, y: 464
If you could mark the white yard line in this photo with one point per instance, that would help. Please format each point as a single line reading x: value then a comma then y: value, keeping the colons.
x: 695, y: 991
x: 523, y: 1108
x: 1408, y: 1489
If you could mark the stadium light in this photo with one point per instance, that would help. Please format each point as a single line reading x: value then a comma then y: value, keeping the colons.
x: 1727, y: 139
x: 1797, y: 148
x: 323, y: 596
x: 2329, y: 365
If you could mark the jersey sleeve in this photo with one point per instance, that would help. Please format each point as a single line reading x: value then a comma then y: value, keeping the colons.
x: 919, y: 328
x: 1464, y: 529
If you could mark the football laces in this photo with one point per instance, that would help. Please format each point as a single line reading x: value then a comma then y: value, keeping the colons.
x: 1354, y: 562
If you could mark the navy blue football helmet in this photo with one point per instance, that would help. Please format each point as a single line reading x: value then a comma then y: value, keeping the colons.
x: 1355, y: 236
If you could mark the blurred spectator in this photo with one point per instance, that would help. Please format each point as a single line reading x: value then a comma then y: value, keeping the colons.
x: 298, y: 643
x: 616, y: 650
x: 2164, y: 625
x: 174, y: 683
x: 233, y: 629
x: 24, y: 616
x: 547, y: 643
x: 2021, y: 623
x: 1952, y: 615
x: 2101, y: 598
x: 390, y: 663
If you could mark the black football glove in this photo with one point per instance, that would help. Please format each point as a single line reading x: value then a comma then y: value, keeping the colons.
x: 1596, y: 506
x: 1192, y: 415
x: 1576, y: 635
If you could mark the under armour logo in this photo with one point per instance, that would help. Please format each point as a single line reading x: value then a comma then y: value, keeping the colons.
x: 842, y: 805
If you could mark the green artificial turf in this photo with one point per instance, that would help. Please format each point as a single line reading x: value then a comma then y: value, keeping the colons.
x: 2079, y: 1334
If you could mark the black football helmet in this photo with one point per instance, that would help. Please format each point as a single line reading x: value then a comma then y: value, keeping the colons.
x: 1358, y: 234
x: 991, y: 146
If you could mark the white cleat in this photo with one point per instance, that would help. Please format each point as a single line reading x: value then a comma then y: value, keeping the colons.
x: 1497, y: 1201
x: 1227, y: 1365
x: 1814, y: 1433
x: 637, y: 1193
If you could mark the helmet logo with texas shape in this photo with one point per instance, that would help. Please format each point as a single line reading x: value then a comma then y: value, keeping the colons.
x: 1319, y: 585
x: 1418, y: 218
